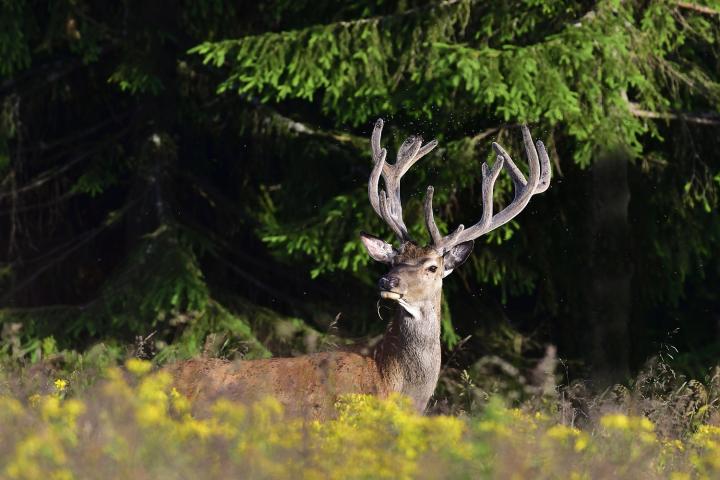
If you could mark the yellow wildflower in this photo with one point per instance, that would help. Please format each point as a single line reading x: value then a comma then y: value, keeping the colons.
x: 581, y: 443
x: 179, y: 402
x: 646, y: 424
x: 616, y: 421
x: 619, y: 421
x: 60, y: 384
x: 138, y: 367
x: 562, y: 432
x: 679, y: 476
x: 151, y: 415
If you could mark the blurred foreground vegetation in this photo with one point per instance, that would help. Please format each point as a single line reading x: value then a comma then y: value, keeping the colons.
x: 133, y: 424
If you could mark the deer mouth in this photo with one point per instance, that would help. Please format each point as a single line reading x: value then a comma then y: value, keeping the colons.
x: 390, y: 295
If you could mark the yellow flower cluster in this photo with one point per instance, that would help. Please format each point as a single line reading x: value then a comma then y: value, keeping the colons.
x: 136, y: 425
x: 639, y: 428
x: 706, y: 456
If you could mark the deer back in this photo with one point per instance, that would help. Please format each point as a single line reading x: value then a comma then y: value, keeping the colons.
x: 307, y: 386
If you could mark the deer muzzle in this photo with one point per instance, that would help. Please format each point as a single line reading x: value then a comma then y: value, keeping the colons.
x: 387, y: 285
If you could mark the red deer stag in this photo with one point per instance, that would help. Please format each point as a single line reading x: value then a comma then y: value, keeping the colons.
x: 407, y: 358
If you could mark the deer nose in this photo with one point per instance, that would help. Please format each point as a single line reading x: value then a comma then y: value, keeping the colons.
x: 388, y: 283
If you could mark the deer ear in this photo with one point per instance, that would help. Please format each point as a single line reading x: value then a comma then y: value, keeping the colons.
x: 377, y: 248
x: 456, y: 256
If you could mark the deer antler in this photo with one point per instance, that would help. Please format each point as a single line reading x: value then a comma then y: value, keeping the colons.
x: 538, y: 182
x: 388, y: 205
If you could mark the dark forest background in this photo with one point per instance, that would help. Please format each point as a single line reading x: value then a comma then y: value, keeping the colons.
x: 198, y: 169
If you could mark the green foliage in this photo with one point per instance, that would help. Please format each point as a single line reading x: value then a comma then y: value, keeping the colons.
x: 14, y: 50
x: 309, y: 238
x: 448, y: 334
x: 579, y: 76
x: 346, y: 61
x: 177, y: 284
x: 100, y: 176
x: 163, y: 287
x: 131, y: 79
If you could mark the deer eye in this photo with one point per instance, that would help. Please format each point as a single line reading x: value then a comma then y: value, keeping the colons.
x: 432, y: 268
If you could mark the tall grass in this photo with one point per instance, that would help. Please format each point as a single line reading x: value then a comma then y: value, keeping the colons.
x: 133, y: 424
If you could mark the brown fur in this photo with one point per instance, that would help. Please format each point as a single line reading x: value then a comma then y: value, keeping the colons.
x: 307, y: 386
x: 412, y: 251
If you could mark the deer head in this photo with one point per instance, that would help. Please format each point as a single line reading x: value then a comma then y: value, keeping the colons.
x: 416, y: 272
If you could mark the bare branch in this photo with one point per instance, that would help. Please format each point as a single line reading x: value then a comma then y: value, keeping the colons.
x: 698, y: 8
x: 701, y: 118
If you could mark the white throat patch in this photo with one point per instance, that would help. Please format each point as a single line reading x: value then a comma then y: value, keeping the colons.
x: 413, y: 311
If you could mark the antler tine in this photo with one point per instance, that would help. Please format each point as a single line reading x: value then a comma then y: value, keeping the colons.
x: 523, y: 194
x: 388, y: 204
x: 421, y: 152
x: 379, y: 155
x: 392, y: 176
x: 538, y: 182
x: 378, y: 199
x: 430, y: 217
x: 545, y: 170
x: 489, y: 176
x: 517, y: 177
x: 437, y: 239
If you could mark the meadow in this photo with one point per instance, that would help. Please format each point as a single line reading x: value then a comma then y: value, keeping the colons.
x: 128, y: 421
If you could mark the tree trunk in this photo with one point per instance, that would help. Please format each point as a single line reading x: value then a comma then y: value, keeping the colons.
x: 610, y: 268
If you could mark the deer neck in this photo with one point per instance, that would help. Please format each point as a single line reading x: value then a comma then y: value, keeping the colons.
x: 408, y: 356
